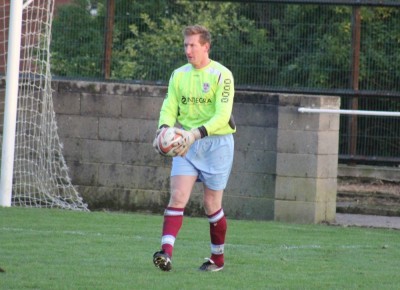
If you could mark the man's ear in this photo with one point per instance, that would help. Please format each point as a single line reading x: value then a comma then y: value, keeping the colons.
x: 208, y: 46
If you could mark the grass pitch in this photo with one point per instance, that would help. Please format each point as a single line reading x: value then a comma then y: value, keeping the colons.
x: 56, y: 249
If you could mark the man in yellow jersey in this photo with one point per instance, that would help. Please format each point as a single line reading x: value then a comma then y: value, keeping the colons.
x: 200, y: 99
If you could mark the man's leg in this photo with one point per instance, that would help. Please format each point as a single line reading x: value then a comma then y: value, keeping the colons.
x: 218, y: 227
x: 181, y: 187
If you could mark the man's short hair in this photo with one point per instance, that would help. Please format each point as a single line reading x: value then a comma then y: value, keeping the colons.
x: 205, y: 35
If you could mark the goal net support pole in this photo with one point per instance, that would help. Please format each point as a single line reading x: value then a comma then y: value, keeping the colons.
x: 350, y: 112
x: 11, y: 100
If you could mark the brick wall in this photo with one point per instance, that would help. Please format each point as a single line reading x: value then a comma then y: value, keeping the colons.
x: 285, y: 163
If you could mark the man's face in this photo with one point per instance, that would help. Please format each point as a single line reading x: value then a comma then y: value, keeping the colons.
x: 196, y: 53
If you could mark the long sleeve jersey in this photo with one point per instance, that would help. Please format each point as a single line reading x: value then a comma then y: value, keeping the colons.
x: 200, y: 98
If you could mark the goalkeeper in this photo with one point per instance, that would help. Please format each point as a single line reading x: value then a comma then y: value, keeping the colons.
x: 200, y: 98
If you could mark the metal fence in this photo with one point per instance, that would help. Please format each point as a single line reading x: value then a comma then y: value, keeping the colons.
x: 347, y: 48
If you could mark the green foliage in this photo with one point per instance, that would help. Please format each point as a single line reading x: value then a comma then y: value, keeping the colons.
x: 59, y: 249
x: 150, y: 54
x: 157, y: 49
x: 381, y: 49
x: 313, y: 54
x: 264, y: 44
x: 77, y: 41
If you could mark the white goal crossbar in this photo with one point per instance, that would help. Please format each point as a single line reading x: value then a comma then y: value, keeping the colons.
x: 349, y: 112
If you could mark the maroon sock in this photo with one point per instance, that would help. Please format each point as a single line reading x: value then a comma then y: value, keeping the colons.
x: 218, y: 228
x: 173, y: 218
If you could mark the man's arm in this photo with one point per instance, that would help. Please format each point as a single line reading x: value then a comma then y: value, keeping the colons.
x: 223, y: 104
x: 169, y: 109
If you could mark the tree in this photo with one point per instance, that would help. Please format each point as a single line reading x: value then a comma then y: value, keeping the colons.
x: 380, y: 49
x: 157, y: 48
x: 264, y: 44
x: 77, y: 41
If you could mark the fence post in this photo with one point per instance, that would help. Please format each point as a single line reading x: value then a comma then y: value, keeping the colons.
x: 110, y: 15
x: 355, y: 75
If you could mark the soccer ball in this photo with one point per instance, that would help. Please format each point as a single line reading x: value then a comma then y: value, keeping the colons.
x: 165, y: 140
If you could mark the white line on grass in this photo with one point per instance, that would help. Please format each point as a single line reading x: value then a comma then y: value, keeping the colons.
x: 305, y: 247
x: 232, y: 246
x: 293, y: 247
x: 77, y: 233
x: 300, y: 247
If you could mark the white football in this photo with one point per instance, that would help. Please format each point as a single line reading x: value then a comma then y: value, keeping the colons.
x: 165, y: 140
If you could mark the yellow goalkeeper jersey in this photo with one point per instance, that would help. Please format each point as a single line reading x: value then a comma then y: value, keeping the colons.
x: 200, y: 97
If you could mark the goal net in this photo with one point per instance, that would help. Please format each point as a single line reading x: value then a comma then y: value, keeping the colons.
x: 40, y: 175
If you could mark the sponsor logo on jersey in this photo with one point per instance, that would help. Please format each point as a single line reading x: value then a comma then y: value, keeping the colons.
x: 193, y: 100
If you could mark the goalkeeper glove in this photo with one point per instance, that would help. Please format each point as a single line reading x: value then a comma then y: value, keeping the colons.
x: 188, y: 138
x: 155, y: 141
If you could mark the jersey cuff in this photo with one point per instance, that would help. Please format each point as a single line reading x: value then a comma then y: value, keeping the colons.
x: 163, y: 126
x: 203, y: 131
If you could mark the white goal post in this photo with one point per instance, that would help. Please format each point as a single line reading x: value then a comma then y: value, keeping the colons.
x: 33, y: 170
x: 10, y: 107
